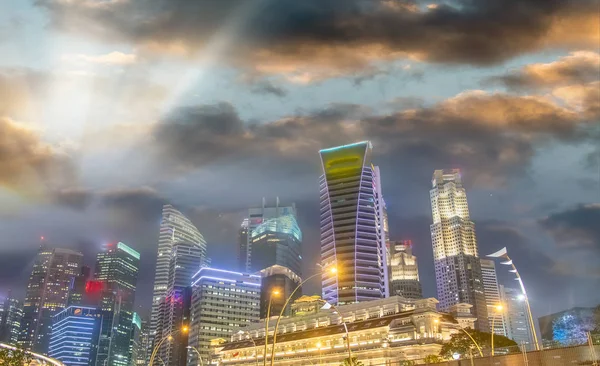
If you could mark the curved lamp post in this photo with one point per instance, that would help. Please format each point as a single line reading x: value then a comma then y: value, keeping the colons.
x: 332, y: 270
x: 467, y: 333
x: 328, y: 305
x: 197, y: 352
x: 502, y: 253
x: 254, y: 343
x: 499, y: 308
x: 169, y: 336
x: 273, y: 293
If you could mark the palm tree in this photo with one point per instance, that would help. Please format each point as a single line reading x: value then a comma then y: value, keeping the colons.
x: 352, y: 362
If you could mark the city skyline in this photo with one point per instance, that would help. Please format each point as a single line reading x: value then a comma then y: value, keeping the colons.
x: 109, y: 112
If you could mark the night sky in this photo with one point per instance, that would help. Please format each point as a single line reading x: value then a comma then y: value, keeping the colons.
x: 111, y: 108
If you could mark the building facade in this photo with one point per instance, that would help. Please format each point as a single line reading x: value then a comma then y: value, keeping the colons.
x: 143, y: 346
x: 455, y: 253
x: 515, y: 317
x: 223, y: 303
x: 75, y: 335
x: 242, y: 255
x: 381, y: 332
x: 117, y: 269
x: 273, y: 237
x: 282, y: 280
x: 47, y: 294
x: 403, y: 270
x: 174, y: 311
x: 174, y: 228
x: 352, y: 226
x: 11, y: 314
x: 492, y: 297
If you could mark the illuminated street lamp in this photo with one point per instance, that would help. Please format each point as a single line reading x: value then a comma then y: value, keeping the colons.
x: 499, y: 309
x: 275, y: 292
x: 184, y: 329
x: 502, y: 253
x: 198, y: 353
x: 332, y: 269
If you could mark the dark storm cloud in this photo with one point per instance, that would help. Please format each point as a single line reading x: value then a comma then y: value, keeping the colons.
x: 75, y: 198
x: 265, y: 87
x: 576, y: 228
x: 494, y: 135
x: 288, y: 35
x: 143, y: 203
x: 27, y: 164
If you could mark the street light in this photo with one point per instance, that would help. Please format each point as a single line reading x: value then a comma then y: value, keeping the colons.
x: 333, y: 270
x: 502, y: 253
x: 275, y: 292
x: 328, y: 305
x: 499, y: 309
x: 254, y: 343
x: 199, y: 356
x: 184, y: 329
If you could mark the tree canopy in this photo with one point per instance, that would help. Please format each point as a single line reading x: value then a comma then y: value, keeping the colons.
x: 461, y: 343
x: 17, y: 357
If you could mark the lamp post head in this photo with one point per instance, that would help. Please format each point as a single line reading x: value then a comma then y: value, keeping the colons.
x: 275, y: 292
x: 333, y: 269
x: 184, y: 329
x: 170, y: 338
x: 499, y: 307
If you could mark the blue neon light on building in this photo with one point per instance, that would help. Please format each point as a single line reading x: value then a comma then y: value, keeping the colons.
x: 75, y: 332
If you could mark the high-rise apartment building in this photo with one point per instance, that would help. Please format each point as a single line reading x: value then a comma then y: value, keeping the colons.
x: 282, y: 280
x: 174, y: 228
x: 403, y: 270
x: 515, y: 316
x: 11, y: 314
x: 455, y: 253
x: 273, y: 237
x: 492, y: 297
x: 174, y: 309
x: 223, y: 303
x: 242, y: 255
x: 47, y: 294
x: 75, y: 333
x: 117, y: 270
x: 352, y: 225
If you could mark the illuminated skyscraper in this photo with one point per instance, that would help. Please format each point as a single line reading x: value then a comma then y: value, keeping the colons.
x: 174, y: 228
x: 492, y: 296
x: 403, y: 270
x: 515, y: 317
x: 283, y: 280
x: 223, y: 303
x: 273, y: 237
x: 243, y: 246
x: 11, y: 314
x: 47, y: 294
x: 75, y: 333
x: 174, y: 309
x: 352, y: 225
x: 455, y: 255
x: 117, y: 270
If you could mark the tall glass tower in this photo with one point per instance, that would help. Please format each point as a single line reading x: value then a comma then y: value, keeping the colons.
x: 47, y: 294
x: 456, y: 259
x: 117, y: 269
x: 174, y: 228
x: 352, y: 225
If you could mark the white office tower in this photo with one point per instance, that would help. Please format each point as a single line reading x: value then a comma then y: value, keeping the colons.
x: 457, y: 266
x: 515, y: 317
x: 352, y: 226
x: 403, y: 270
x: 492, y: 297
x: 174, y: 228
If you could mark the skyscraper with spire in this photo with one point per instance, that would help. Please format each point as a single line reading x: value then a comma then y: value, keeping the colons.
x: 174, y: 228
x: 353, y: 225
x: 455, y: 254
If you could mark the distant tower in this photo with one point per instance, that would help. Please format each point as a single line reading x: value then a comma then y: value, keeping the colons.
x: 283, y: 280
x: 243, y: 246
x: 11, y: 314
x: 174, y: 228
x: 455, y: 255
x: 353, y: 225
x: 492, y: 296
x: 47, y: 294
x: 515, y: 316
x: 403, y: 270
x: 273, y: 237
x: 117, y: 269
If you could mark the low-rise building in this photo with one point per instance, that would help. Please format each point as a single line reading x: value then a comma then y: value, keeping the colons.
x: 379, y: 331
